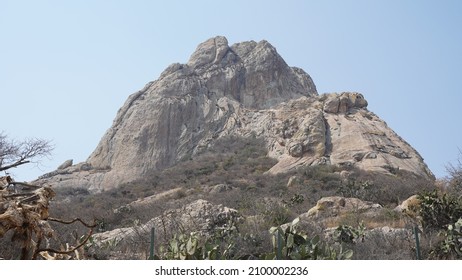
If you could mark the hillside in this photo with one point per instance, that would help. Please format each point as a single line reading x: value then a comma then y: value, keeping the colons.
x: 233, y: 143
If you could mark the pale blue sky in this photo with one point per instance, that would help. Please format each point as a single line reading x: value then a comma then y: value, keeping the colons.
x: 66, y: 67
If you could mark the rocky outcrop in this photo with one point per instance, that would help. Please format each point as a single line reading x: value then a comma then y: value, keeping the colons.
x: 343, y: 103
x: 245, y: 89
x: 337, y: 205
x: 199, y: 216
x: 410, y: 207
x: 65, y: 164
x: 362, y: 139
x: 152, y: 200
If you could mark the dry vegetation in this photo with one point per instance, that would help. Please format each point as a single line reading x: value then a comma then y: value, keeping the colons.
x: 231, y: 173
x: 238, y: 167
x: 26, y: 230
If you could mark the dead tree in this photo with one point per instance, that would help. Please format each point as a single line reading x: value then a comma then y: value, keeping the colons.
x: 16, y: 153
x: 24, y: 208
x: 27, y: 214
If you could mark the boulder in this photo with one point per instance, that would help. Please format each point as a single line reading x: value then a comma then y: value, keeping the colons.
x: 409, y: 206
x: 199, y: 216
x: 219, y: 188
x: 65, y: 164
x: 293, y: 181
x: 344, y: 102
x: 336, y: 205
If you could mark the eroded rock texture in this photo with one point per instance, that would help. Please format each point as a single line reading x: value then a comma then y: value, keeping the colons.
x: 245, y: 89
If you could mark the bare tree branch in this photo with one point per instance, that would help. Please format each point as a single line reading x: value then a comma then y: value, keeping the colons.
x: 455, y: 172
x: 70, y: 251
x: 18, y: 195
x: 16, y: 164
x: 14, y: 154
x: 29, y: 186
x: 72, y: 221
x: 26, y: 213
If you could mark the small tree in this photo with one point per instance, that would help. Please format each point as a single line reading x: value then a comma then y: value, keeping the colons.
x: 14, y: 153
x: 455, y: 173
x: 440, y: 212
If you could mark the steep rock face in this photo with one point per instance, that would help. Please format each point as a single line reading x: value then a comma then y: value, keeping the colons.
x: 245, y: 89
x: 164, y: 122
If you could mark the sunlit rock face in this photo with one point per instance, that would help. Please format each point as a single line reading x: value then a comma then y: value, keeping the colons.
x: 245, y: 89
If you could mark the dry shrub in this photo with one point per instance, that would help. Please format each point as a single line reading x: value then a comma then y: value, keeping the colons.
x: 379, y: 245
x: 25, y: 218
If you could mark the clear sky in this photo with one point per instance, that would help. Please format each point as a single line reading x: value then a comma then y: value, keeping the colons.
x: 66, y: 67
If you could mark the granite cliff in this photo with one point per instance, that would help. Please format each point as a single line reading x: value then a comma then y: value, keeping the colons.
x: 245, y: 89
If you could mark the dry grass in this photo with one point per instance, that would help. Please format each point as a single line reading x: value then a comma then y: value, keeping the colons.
x: 240, y: 164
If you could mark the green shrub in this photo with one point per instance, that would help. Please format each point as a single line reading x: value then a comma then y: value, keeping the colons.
x: 189, y: 247
x: 451, y: 246
x: 291, y: 244
x: 442, y: 213
x: 359, y: 189
x: 437, y: 210
x: 349, y: 234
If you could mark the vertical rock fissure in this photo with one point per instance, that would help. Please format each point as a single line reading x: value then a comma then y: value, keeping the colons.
x: 328, y: 138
